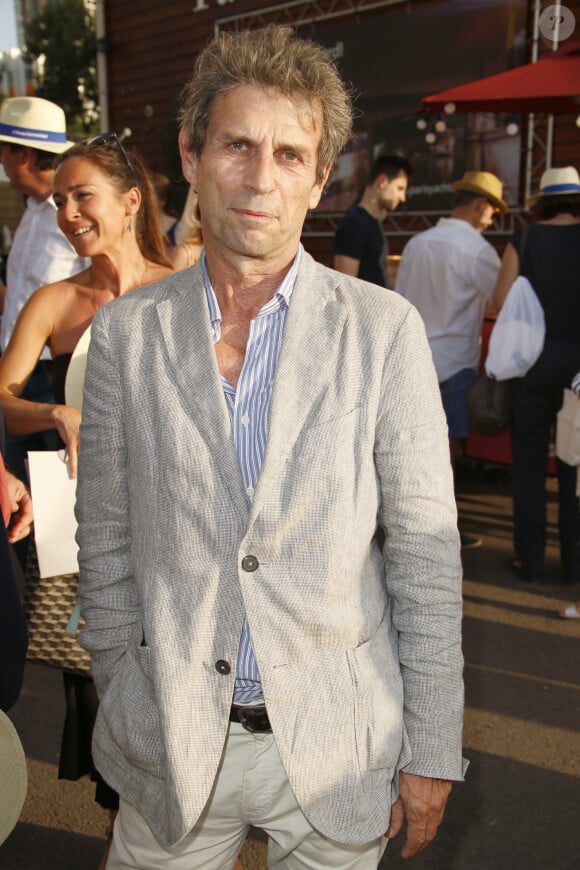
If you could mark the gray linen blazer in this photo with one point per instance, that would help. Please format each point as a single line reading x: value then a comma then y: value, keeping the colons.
x: 358, y: 649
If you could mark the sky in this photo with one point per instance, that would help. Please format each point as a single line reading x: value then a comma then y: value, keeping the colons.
x: 7, y: 25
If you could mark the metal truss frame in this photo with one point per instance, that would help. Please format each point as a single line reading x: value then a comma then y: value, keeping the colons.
x: 300, y: 12
x: 538, y: 153
x: 407, y: 223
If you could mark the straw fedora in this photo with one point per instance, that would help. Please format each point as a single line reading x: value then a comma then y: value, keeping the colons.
x: 484, y: 184
x: 34, y: 122
x: 13, y: 776
x: 559, y: 181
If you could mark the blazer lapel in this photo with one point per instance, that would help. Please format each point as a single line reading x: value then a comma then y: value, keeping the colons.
x: 307, y: 360
x: 184, y: 320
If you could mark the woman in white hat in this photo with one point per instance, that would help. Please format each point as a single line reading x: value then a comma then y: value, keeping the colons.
x: 551, y: 262
x: 107, y: 209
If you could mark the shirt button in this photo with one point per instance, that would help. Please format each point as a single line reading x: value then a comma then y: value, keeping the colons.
x: 250, y: 491
x: 250, y: 563
x: 244, y: 420
x: 222, y: 667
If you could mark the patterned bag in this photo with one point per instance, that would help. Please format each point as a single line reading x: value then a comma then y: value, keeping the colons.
x: 49, y: 603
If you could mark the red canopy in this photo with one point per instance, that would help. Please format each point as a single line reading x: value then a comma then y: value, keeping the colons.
x: 549, y: 86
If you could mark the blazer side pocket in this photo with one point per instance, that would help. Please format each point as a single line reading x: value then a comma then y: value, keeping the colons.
x: 378, y: 702
x: 130, y: 710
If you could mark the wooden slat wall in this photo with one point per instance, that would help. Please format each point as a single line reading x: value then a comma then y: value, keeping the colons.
x: 151, y: 56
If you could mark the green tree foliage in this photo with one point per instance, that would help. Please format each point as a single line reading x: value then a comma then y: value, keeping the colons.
x: 61, y: 44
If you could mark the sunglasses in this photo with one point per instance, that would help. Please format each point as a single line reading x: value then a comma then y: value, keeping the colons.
x: 495, y: 208
x: 110, y: 139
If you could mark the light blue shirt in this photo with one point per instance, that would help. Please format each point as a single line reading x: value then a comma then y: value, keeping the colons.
x: 249, y: 406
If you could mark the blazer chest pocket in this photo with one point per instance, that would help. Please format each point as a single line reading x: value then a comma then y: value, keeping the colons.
x: 326, y: 449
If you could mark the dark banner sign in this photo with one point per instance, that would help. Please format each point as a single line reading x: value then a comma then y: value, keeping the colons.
x: 396, y: 57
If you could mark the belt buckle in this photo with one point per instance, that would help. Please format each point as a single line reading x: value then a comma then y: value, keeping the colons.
x: 252, y: 718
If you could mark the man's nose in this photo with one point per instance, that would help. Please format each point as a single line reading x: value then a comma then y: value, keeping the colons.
x: 261, y: 172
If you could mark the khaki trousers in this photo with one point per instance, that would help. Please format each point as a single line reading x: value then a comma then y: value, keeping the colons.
x: 251, y: 788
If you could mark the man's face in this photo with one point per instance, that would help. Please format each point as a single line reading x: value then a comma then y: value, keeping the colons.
x: 12, y: 162
x: 393, y: 191
x: 256, y: 176
x: 487, y: 212
x: 20, y: 167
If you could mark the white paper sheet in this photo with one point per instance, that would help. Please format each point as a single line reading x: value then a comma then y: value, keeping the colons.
x: 53, y: 501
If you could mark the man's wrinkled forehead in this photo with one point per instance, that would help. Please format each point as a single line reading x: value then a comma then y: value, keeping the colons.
x: 309, y: 109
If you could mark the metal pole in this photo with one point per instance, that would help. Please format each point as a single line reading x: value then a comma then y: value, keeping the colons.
x: 531, y: 117
x: 102, y: 83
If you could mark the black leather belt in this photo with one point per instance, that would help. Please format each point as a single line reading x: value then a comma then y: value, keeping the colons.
x: 252, y: 718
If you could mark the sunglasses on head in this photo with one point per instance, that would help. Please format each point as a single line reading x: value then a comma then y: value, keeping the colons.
x: 110, y: 139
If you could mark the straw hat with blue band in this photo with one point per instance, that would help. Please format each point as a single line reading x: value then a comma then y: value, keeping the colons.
x: 35, y: 123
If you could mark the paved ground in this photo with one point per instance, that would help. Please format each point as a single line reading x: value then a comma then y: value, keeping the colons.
x: 518, y: 809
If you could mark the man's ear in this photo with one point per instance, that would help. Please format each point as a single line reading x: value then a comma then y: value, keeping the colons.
x: 26, y: 155
x: 319, y: 187
x: 188, y: 158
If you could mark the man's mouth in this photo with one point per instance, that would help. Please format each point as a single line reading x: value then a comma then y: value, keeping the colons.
x: 255, y: 215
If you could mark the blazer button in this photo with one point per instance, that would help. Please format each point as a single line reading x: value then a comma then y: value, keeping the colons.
x: 250, y: 563
x: 222, y: 667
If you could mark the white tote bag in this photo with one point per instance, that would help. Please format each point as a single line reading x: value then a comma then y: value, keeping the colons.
x: 517, y: 338
x: 568, y: 429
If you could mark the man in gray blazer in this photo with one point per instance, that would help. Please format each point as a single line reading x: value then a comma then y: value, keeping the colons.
x: 248, y: 424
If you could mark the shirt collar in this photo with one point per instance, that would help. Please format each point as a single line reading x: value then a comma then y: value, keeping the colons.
x: 281, y: 297
x: 36, y: 206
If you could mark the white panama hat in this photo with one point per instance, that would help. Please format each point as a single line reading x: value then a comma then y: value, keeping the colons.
x: 13, y: 777
x: 35, y: 123
x: 555, y: 182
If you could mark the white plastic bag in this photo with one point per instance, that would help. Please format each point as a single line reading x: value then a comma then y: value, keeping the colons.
x: 517, y: 337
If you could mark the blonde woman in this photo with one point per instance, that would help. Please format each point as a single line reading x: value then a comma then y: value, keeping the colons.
x: 188, y: 240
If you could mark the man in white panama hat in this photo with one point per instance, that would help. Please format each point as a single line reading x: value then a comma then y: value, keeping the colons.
x: 32, y: 131
x: 449, y: 272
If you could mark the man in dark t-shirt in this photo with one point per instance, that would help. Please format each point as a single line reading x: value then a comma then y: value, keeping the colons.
x: 360, y: 246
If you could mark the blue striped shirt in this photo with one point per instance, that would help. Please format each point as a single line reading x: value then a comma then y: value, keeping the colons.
x: 249, y: 406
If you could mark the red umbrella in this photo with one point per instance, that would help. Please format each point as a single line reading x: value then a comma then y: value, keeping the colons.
x: 549, y: 86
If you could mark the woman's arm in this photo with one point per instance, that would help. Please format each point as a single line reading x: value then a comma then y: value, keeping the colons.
x: 509, y: 271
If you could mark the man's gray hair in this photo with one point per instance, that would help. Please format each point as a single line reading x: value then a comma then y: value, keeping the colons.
x: 271, y: 57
